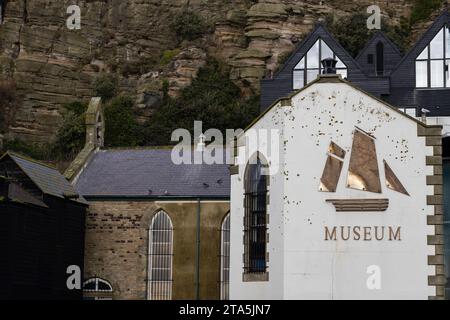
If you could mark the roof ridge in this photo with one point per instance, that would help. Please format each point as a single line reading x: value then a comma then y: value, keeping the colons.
x: 144, y: 148
x: 337, y: 79
x: 318, y: 26
x: 27, y: 158
x: 372, y: 39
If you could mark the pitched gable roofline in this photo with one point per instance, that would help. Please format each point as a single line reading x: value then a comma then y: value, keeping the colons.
x: 312, y: 37
x: 334, y: 78
x: 425, y: 39
x: 375, y: 37
x: 46, y: 178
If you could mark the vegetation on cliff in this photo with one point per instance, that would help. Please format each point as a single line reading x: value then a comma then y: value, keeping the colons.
x: 212, y: 98
x: 188, y: 25
x: 355, y: 41
x: 121, y: 127
x: 72, y: 133
x: 140, y: 61
x: 422, y: 9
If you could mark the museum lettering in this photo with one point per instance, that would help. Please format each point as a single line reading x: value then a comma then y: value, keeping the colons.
x: 363, y: 233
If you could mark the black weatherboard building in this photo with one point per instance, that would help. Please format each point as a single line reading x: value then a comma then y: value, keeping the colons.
x: 418, y: 80
x: 41, y: 230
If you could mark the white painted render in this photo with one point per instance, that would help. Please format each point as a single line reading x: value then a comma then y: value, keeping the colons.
x: 302, y: 265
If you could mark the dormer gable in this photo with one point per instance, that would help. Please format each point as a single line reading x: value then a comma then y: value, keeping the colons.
x: 428, y: 58
x: 303, y: 66
x: 380, y: 56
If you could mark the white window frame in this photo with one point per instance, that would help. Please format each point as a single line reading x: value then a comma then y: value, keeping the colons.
x: 425, y: 59
x: 97, y: 281
x: 302, y: 67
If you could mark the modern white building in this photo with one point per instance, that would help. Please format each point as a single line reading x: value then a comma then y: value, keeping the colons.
x: 336, y: 195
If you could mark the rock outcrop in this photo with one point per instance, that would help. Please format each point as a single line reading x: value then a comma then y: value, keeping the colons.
x: 53, y: 65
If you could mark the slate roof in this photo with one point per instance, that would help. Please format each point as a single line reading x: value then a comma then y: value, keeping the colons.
x: 150, y: 173
x: 47, y: 179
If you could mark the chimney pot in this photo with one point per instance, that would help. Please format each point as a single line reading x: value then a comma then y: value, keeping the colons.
x: 329, y: 66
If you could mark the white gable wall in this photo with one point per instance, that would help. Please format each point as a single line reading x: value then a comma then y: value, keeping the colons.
x: 308, y: 266
x: 315, y: 268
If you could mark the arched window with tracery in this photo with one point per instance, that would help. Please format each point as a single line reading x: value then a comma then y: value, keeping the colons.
x: 225, y: 259
x: 160, y: 257
x: 97, y: 289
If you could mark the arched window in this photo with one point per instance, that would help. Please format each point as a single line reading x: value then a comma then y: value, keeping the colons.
x: 432, y: 64
x: 160, y: 257
x: 255, y: 229
x: 310, y: 66
x: 380, y: 58
x: 225, y: 259
x: 97, y: 285
x: 97, y: 289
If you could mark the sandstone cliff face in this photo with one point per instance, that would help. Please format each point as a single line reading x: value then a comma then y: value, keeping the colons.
x: 52, y: 65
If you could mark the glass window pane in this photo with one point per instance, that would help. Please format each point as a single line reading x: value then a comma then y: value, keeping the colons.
x: 89, y: 285
x: 301, y: 64
x: 437, y: 74
x: 255, y: 218
x: 340, y: 64
x: 326, y: 51
x: 421, y: 74
x: 225, y: 259
x: 162, y: 248
x: 299, y: 80
x: 342, y: 72
x: 424, y: 54
x: 160, y: 290
x: 411, y: 112
x: 160, y: 274
x: 447, y: 73
x: 313, y: 56
x: 102, y: 285
x: 437, y: 46
x: 160, y: 257
x: 312, y: 75
x: 161, y: 261
x: 161, y: 236
x: 447, y: 40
